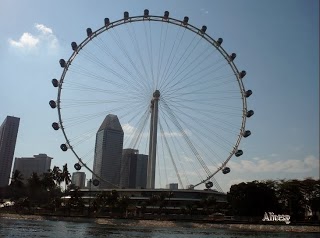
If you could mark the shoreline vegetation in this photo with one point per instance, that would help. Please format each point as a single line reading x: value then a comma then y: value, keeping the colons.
x: 155, y: 223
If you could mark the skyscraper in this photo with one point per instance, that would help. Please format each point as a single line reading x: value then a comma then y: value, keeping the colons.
x: 79, y: 179
x: 141, y: 171
x: 128, y: 168
x: 37, y: 164
x: 8, y: 138
x: 108, y: 152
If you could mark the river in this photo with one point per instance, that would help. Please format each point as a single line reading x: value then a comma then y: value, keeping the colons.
x: 49, y: 228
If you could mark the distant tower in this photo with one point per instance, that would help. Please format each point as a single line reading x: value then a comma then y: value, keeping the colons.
x: 37, y: 164
x: 8, y: 138
x: 79, y: 179
x: 108, y: 152
x: 128, y: 168
x: 141, y: 174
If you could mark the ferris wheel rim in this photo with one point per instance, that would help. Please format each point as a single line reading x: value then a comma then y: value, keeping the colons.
x: 163, y: 19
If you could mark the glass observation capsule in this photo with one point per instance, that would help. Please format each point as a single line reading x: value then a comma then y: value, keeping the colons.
x: 242, y: 74
x: 226, y: 170
x: 55, y: 82
x: 63, y: 147
x: 106, y: 21
x: 219, y: 41
x: 52, y: 104
x: 232, y: 56
x: 95, y: 182
x: 239, y: 153
x: 209, y: 184
x: 248, y: 93
x: 62, y: 63
x: 89, y: 32
x: 74, y: 46
x: 246, y: 134
x: 250, y: 113
x: 77, y: 166
x: 55, y: 126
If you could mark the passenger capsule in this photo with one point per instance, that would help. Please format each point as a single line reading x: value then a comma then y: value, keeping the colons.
x: 52, y: 104
x: 55, y: 82
x: 239, y: 153
x: 203, y: 29
x: 233, y: 56
x: 219, y: 41
x: 63, y: 147
x: 226, y: 170
x: 77, y: 166
x: 166, y: 15
x: 62, y: 63
x: 242, y: 74
x: 185, y: 20
x: 95, y: 182
x: 250, y: 113
x: 89, y: 32
x: 246, y: 134
x: 106, y: 22
x: 55, y: 126
x: 146, y: 13
x: 248, y: 93
x: 209, y: 184
x: 74, y: 46
x: 126, y: 15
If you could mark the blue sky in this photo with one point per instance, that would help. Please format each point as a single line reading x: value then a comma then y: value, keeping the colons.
x: 277, y: 43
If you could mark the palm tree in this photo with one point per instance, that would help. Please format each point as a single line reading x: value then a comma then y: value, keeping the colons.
x: 66, y: 176
x: 56, y: 175
x: 16, y: 186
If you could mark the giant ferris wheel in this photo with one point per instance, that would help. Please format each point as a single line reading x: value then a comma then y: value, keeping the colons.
x: 177, y: 93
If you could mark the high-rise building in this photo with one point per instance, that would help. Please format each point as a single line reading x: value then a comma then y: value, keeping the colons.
x: 79, y: 179
x: 37, y: 164
x: 108, y: 152
x: 141, y: 171
x: 128, y: 168
x: 172, y: 186
x: 8, y: 138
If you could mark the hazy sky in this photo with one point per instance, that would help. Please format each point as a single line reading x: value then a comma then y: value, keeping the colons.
x: 277, y: 43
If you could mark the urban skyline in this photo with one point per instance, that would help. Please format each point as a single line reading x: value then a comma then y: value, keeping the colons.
x: 284, y: 144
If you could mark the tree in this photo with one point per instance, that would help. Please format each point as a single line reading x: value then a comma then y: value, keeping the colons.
x: 66, y: 177
x: 16, y: 188
x: 252, y: 199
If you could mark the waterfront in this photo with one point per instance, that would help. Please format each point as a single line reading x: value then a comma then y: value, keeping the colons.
x: 39, y: 227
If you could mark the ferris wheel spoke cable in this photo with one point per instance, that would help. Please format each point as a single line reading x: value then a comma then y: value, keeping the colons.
x: 177, y: 124
x: 149, y: 51
x: 204, y: 143
x: 164, y: 158
x: 190, y: 75
x: 173, y: 66
x: 171, y: 135
x: 135, y: 43
x: 161, y: 53
x: 170, y: 58
x: 192, y: 162
x: 178, y: 70
x: 183, y: 113
x: 186, y: 73
x: 103, y: 46
x: 203, y: 132
x: 136, y: 138
x: 122, y: 47
x: 171, y: 157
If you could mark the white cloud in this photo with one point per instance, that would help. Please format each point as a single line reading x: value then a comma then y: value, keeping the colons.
x: 43, y: 29
x: 44, y: 37
x: 262, y: 165
x: 26, y: 41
